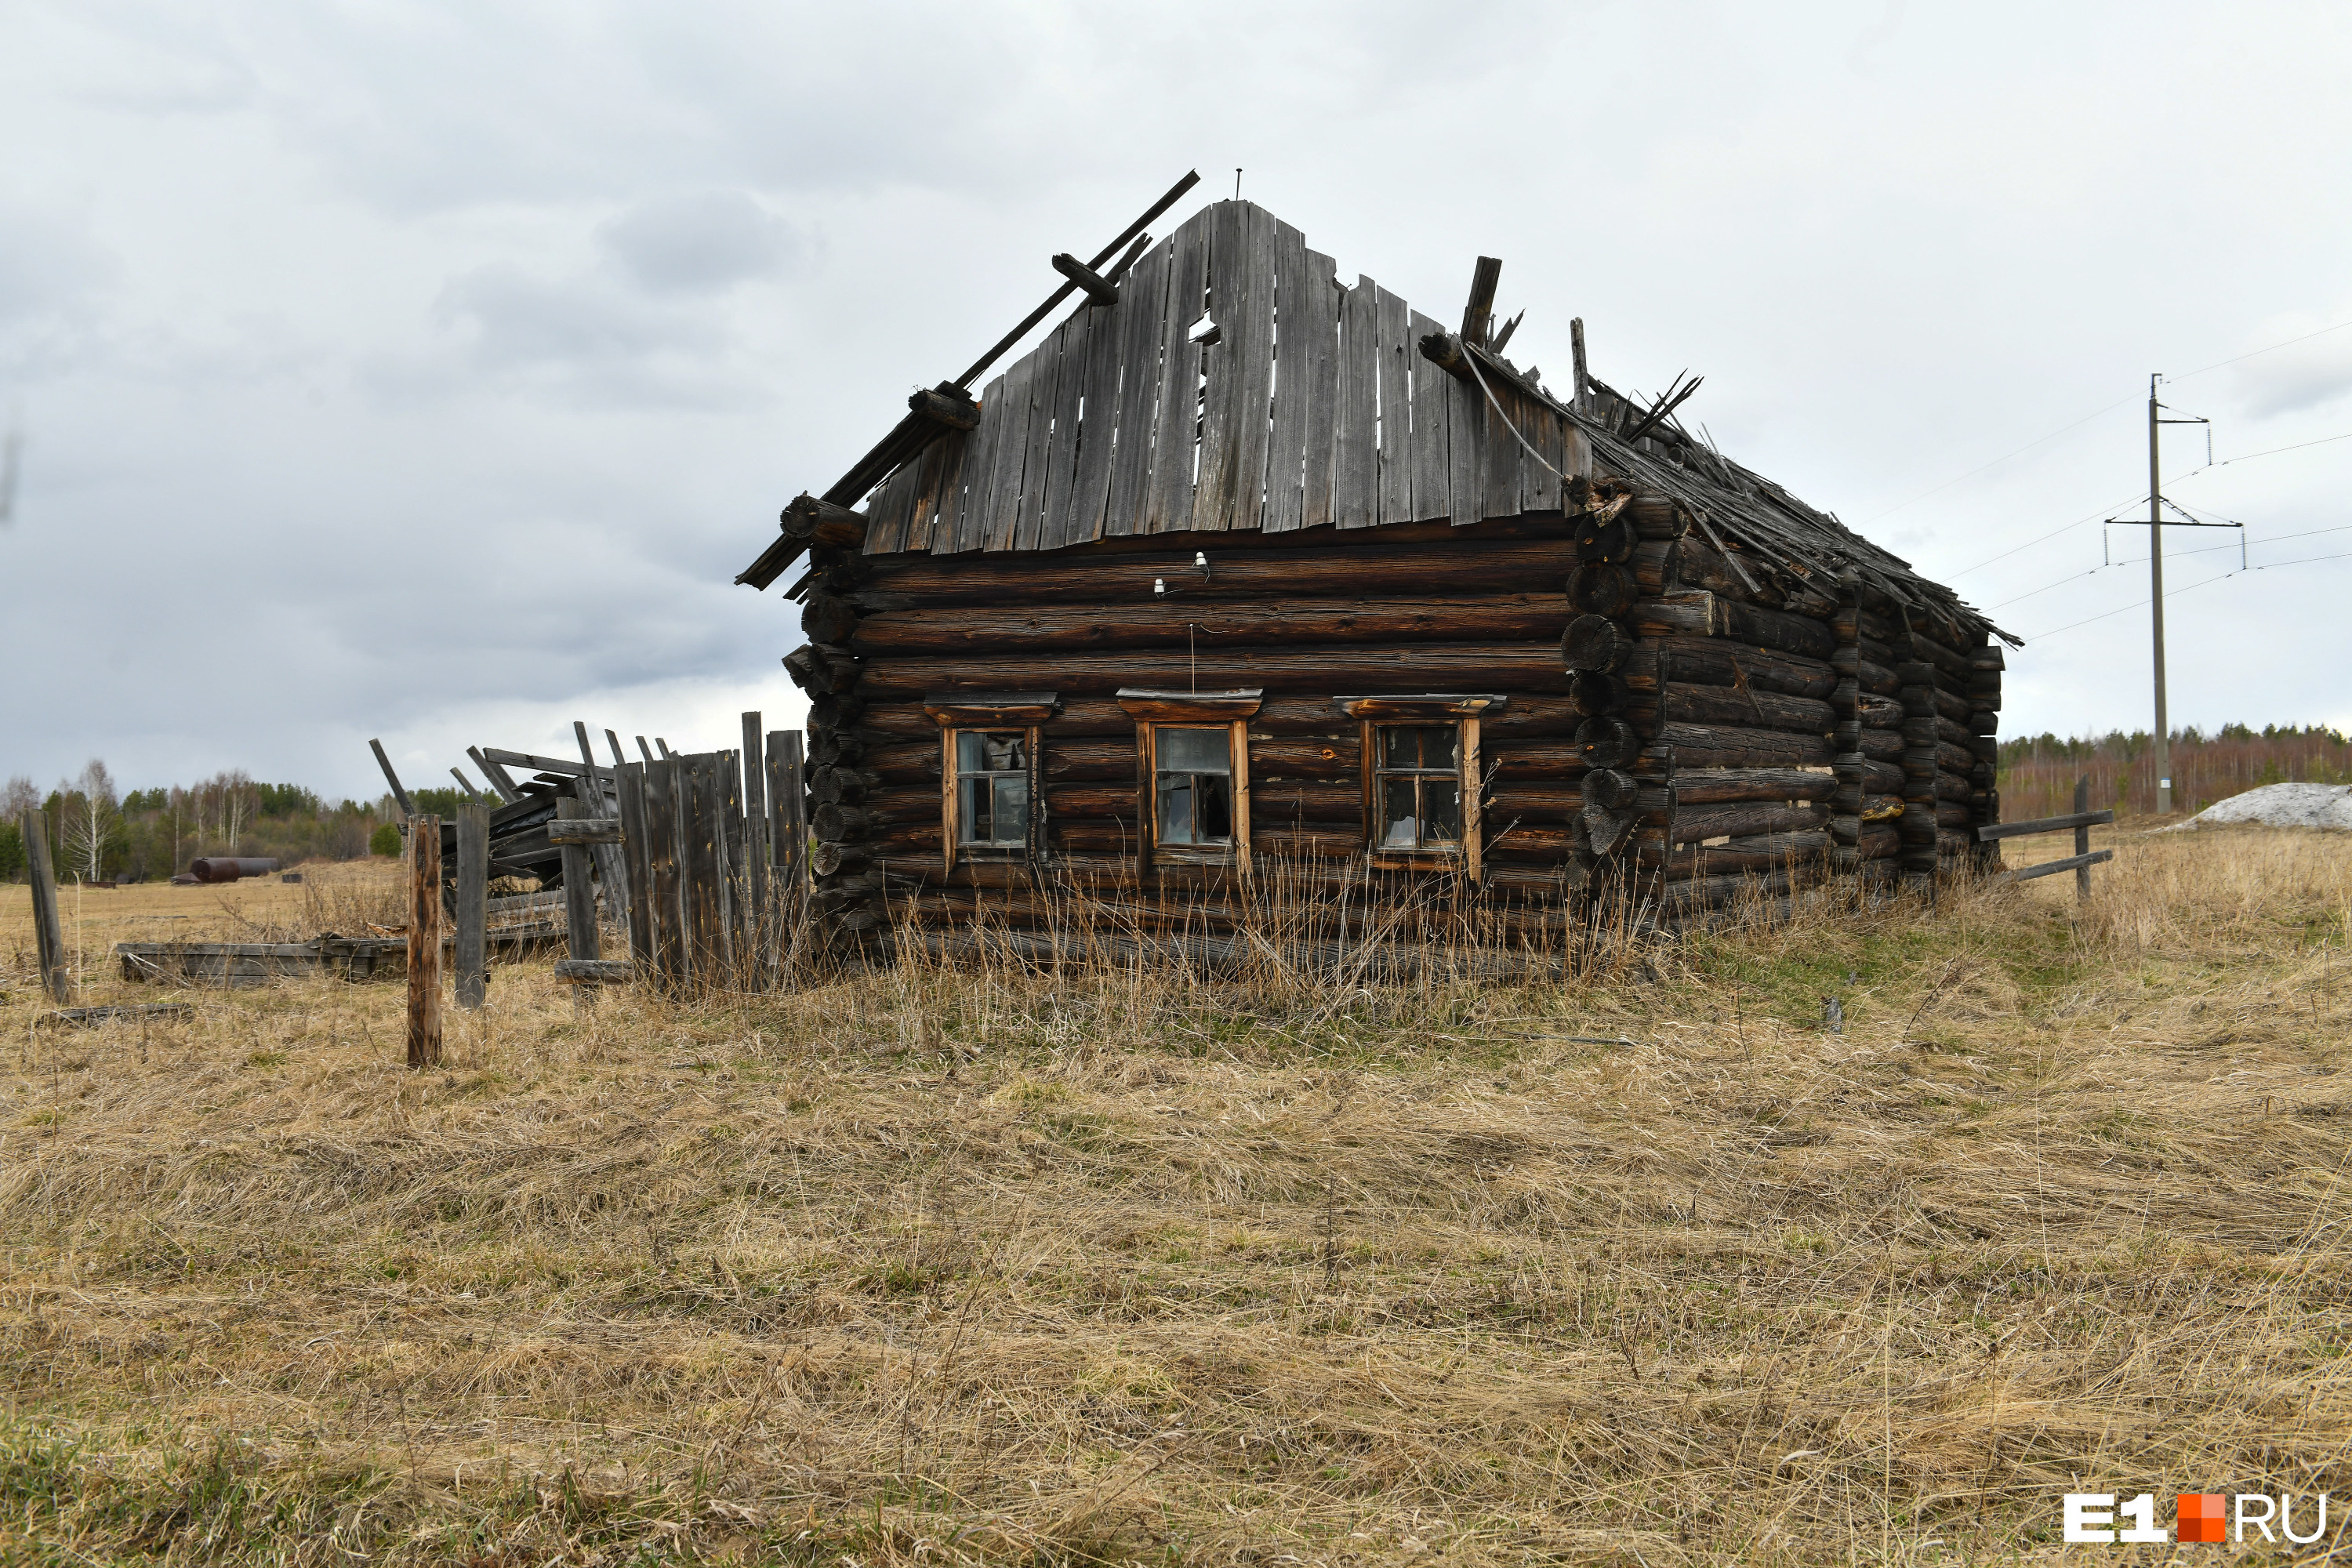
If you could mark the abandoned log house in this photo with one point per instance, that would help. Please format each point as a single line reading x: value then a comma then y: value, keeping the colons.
x: 1241, y: 565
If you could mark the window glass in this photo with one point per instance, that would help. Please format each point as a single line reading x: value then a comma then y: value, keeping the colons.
x: 993, y: 787
x: 1195, y: 787
x: 1417, y: 786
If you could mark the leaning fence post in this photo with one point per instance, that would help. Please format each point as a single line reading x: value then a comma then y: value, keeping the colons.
x: 473, y: 902
x: 424, y: 941
x: 2083, y: 839
x: 49, y: 932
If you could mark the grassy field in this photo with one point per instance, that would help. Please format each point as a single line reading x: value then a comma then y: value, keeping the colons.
x: 1650, y: 1268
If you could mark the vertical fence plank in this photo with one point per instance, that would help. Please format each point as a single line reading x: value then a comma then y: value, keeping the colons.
x: 637, y: 864
x: 424, y: 941
x: 48, y: 931
x: 662, y: 838
x: 758, y: 926
x: 473, y: 903
x: 727, y: 834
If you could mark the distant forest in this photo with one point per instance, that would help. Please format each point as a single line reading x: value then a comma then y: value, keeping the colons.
x: 2038, y: 772
x: 98, y: 833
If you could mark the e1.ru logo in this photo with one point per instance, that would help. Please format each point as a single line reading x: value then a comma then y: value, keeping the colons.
x: 2200, y: 1517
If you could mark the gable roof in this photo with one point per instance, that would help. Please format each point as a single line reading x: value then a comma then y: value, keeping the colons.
x: 1233, y: 384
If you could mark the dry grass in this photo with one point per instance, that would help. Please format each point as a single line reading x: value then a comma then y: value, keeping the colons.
x: 993, y: 1266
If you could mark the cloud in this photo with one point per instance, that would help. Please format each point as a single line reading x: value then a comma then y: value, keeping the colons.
x: 2299, y: 376
x: 51, y: 264
x: 701, y: 242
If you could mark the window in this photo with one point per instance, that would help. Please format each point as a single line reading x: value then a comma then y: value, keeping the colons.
x: 1192, y: 774
x: 990, y: 775
x: 991, y: 771
x: 1417, y: 786
x: 1421, y: 778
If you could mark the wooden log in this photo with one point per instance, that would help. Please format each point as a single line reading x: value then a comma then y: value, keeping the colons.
x: 1601, y: 588
x: 1707, y: 786
x: 1756, y: 852
x: 1713, y: 892
x: 1746, y: 707
x: 947, y: 406
x: 822, y: 524
x: 1712, y: 661
x: 1605, y: 537
x: 1314, y: 669
x: 826, y: 619
x: 1871, y: 676
x: 1945, y: 757
x: 822, y: 670
x: 1696, y: 825
x: 473, y: 911
x: 1723, y: 745
x: 425, y: 941
x: 1606, y: 743
x: 49, y: 930
x: 1594, y: 643
x: 1365, y: 564
x: 1701, y: 614
x: 1176, y: 623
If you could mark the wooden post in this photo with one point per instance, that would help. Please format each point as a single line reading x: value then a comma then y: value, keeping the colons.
x: 2083, y: 839
x: 392, y: 778
x: 424, y: 941
x: 579, y: 896
x: 473, y: 902
x: 48, y: 931
x: 760, y: 922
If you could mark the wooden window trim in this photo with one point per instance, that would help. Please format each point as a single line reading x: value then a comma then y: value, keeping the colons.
x: 1432, y: 708
x: 992, y: 709
x: 951, y: 846
x: 1190, y: 710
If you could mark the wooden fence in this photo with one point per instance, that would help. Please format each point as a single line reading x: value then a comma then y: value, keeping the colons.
x: 714, y: 856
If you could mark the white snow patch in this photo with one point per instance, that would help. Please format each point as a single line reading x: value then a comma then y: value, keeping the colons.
x: 2279, y: 805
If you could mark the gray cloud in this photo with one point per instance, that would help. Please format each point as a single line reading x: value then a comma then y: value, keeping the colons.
x: 699, y: 242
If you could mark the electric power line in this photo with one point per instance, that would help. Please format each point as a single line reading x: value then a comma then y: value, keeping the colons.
x: 2205, y: 581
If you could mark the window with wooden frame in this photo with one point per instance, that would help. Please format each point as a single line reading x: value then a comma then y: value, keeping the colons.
x: 991, y: 773
x: 1421, y: 769
x: 1192, y: 774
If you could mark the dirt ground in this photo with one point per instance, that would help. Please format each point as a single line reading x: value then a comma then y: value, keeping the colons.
x: 1654, y: 1267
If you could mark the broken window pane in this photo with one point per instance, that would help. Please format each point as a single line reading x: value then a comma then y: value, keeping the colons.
x: 993, y: 787
x: 1417, y: 786
x: 1194, y: 784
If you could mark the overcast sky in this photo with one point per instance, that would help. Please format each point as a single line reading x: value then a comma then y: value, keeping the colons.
x: 428, y: 371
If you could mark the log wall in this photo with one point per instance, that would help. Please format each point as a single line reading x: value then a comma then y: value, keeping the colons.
x: 1683, y: 717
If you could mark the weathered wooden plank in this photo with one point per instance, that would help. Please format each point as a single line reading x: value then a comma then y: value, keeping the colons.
x: 893, y: 502
x: 1143, y: 329
x: 1243, y: 400
x: 1098, y: 386
x: 1431, y: 478
x: 1065, y: 448
x: 1168, y: 504
x: 1045, y: 380
x: 424, y: 941
x: 663, y: 839
x: 1320, y: 314
x: 1355, y: 483
x: 788, y: 830
x: 1539, y: 475
x: 473, y: 897
x: 1222, y: 365
x: 1032, y: 626
x: 758, y: 920
x: 971, y: 529
x: 1504, y: 453
x: 1397, y: 359
x: 1466, y: 419
x: 945, y: 485
x: 631, y: 778
x: 734, y: 861
x: 48, y: 931
x: 1286, y: 436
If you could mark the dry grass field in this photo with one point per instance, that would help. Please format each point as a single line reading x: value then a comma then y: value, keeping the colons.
x: 993, y: 1266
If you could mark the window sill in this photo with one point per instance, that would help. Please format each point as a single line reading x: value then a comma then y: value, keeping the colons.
x: 1414, y: 860
x: 1192, y: 854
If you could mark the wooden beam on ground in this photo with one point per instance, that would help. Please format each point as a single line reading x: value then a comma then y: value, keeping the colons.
x: 48, y: 931
x: 425, y: 941
x: 473, y: 903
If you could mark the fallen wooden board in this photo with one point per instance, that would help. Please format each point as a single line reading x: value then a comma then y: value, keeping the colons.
x: 91, y: 1017
x: 242, y: 964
